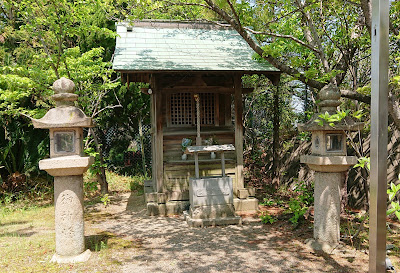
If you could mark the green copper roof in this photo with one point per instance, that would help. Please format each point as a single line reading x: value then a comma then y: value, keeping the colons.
x: 168, y: 46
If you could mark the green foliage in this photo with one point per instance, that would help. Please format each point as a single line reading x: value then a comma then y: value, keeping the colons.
x: 301, y: 202
x: 331, y: 119
x: 105, y: 199
x: 95, y: 168
x: 267, y: 218
x: 394, y: 204
x: 363, y: 162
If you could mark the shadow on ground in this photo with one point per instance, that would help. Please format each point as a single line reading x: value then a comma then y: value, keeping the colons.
x: 169, y: 245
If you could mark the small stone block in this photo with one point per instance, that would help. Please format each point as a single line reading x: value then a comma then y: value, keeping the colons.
x: 161, y: 199
x: 249, y: 205
x: 176, y: 207
x: 152, y: 209
x: 151, y: 197
x: 162, y: 209
x: 252, y: 191
x: 242, y: 193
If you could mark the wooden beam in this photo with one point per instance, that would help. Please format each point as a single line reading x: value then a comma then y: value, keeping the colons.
x: 153, y: 140
x: 198, y: 89
x: 238, y: 133
x: 158, y: 145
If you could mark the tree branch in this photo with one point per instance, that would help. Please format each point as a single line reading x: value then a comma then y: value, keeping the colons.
x: 355, y: 96
x: 255, y: 46
x: 316, y: 39
x: 285, y: 36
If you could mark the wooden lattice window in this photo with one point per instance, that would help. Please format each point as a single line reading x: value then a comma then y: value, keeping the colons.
x: 182, y: 109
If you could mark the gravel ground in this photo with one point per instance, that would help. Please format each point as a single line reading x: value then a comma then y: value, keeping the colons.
x: 167, y: 244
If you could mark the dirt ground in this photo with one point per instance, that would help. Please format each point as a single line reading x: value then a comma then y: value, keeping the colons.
x: 167, y: 244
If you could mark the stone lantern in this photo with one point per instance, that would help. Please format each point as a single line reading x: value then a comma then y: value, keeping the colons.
x: 329, y: 160
x: 67, y: 164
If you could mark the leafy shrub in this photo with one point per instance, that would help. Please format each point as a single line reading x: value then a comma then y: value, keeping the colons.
x: 301, y: 202
x: 267, y: 218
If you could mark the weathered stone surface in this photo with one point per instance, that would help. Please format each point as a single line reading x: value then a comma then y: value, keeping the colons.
x: 83, y: 257
x: 210, y: 191
x: 252, y: 191
x: 69, y: 223
x: 212, y: 212
x: 161, y: 198
x: 66, y: 165
x: 249, y: 205
x: 152, y: 209
x: 234, y: 220
x: 63, y: 117
x: 327, y: 207
x: 178, y: 195
x: 151, y: 197
x: 242, y: 193
x: 176, y: 207
x: 63, y: 85
x: 331, y: 164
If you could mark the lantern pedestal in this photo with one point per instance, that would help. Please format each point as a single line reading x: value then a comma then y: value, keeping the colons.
x: 327, y: 183
x: 68, y: 201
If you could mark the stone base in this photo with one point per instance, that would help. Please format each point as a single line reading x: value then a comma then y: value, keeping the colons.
x: 321, y: 246
x: 232, y: 220
x: 169, y: 208
x: 248, y: 205
x: 212, y: 212
x: 83, y: 257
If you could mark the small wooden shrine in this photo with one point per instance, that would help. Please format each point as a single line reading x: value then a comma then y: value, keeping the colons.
x: 181, y: 60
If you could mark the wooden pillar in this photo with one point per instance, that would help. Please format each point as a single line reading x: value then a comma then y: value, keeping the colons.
x: 158, y: 139
x: 153, y: 141
x: 238, y: 133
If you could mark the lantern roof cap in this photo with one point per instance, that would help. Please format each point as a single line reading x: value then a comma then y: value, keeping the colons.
x: 65, y: 115
x: 330, y: 100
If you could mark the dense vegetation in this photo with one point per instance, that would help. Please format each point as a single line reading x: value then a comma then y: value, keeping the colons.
x: 313, y: 42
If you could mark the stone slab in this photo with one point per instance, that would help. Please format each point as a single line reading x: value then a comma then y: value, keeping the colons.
x: 234, y: 220
x: 211, y: 212
x: 66, y: 165
x: 328, y: 164
x: 208, y: 191
x: 249, y: 205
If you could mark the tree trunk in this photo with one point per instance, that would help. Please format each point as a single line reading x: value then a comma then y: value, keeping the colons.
x: 101, y: 177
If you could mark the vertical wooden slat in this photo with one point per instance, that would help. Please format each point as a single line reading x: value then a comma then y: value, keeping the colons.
x: 239, y: 132
x: 228, y: 110
x: 216, y: 107
x: 159, y: 164
x: 153, y: 141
